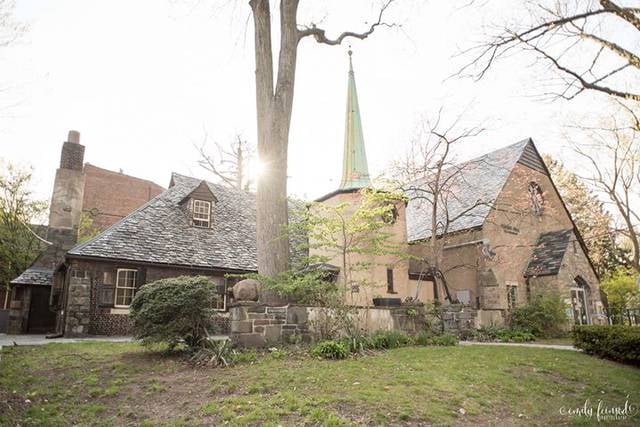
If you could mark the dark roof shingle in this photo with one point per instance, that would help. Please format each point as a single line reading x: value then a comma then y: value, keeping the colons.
x: 35, y: 276
x: 161, y: 231
x: 547, y: 256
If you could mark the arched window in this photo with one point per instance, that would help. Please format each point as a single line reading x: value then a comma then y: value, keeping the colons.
x: 536, y: 198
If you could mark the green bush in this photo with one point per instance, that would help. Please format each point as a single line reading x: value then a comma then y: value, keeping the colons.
x: 515, y: 335
x: 543, y: 316
x: 331, y: 350
x: 357, y: 343
x: 617, y: 342
x: 444, y: 340
x: 174, y: 310
x: 422, y: 338
x: 390, y: 339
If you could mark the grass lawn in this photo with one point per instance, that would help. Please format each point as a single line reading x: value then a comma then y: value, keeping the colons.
x: 122, y: 384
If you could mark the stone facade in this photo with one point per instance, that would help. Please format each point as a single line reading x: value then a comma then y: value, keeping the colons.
x: 258, y: 325
x: 78, y: 313
x: 86, y: 314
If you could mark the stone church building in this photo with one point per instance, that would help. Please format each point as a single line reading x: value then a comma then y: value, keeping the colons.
x: 496, y: 254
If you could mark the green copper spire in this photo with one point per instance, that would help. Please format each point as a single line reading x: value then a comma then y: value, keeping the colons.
x: 355, y: 173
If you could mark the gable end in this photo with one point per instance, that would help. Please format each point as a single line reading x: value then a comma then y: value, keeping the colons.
x: 531, y: 159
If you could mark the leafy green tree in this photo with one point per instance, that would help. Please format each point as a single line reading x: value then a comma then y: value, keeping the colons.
x: 353, y: 236
x: 19, y: 244
x: 622, y: 293
x: 87, y: 230
x: 593, y: 221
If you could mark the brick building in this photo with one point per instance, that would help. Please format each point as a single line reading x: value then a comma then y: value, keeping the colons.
x: 79, y: 188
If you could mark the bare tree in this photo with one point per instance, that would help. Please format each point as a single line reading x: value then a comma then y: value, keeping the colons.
x: 429, y: 176
x: 575, y: 38
x: 612, y: 157
x: 10, y: 29
x: 230, y: 165
x: 274, y: 106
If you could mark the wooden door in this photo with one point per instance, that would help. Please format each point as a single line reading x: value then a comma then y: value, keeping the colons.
x: 41, y: 319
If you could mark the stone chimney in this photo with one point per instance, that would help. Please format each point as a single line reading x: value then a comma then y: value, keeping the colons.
x: 68, y: 188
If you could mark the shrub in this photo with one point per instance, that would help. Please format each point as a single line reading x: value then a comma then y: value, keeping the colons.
x: 444, y: 340
x: 213, y: 353
x: 390, y: 339
x: 544, y: 316
x: 330, y: 350
x: 618, y: 342
x: 173, y: 310
x: 515, y: 335
x: 357, y: 343
x: 422, y: 338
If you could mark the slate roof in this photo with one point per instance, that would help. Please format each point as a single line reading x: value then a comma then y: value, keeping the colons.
x: 546, y: 259
x: 35, y: 276
x: 480, y: 179
x: 161, y: 231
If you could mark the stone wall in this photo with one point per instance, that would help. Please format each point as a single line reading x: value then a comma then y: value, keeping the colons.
x: 258, y: 325
x: 458, y: 319
x: 78, y: 317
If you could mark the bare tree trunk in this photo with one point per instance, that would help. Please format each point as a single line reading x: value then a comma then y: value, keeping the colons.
x: 274, y: 108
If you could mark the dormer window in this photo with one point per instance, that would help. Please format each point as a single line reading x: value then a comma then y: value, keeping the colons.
x: 201, y: 213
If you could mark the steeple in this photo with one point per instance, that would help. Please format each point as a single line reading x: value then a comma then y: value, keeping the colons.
x: 355, y: 173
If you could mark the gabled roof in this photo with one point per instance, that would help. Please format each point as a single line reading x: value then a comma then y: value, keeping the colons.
x: 478, y: 183
x: 547, y: 256
x: 161, y: 231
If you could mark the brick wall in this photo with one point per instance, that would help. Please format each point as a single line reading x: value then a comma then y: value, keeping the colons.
x: 72, y: 156
x: 110, y: 196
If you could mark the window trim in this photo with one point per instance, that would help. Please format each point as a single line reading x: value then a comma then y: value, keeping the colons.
x: 117, y: 286
x: 207, y: 203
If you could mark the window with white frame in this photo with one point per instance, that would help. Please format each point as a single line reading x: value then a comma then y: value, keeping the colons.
x: 125, y: 287
x: 201, y: 213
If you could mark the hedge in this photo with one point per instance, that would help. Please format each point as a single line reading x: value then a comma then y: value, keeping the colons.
x: 617, y: 342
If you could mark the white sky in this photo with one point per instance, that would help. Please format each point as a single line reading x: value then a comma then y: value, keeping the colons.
x: 142, y: 79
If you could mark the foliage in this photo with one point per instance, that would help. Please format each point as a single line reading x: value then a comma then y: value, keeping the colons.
x: 19, y: 244
x: 213, y: 353
x: 357, y: 343
x: 87, y: 230
x: 353, y: 236
x: 302, y: 286
x: 444, y: 340
x: 622, y: 293
x: 593, y: 221
x: 330, y: 350
x: 174, y: 310
x: 618, y: 342
x: 390, y: 339
x: 425, y: 338
x: 502, y: 334
x: 543, y: 316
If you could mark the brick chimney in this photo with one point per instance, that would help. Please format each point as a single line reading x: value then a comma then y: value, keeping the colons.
x: 68, y: 188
